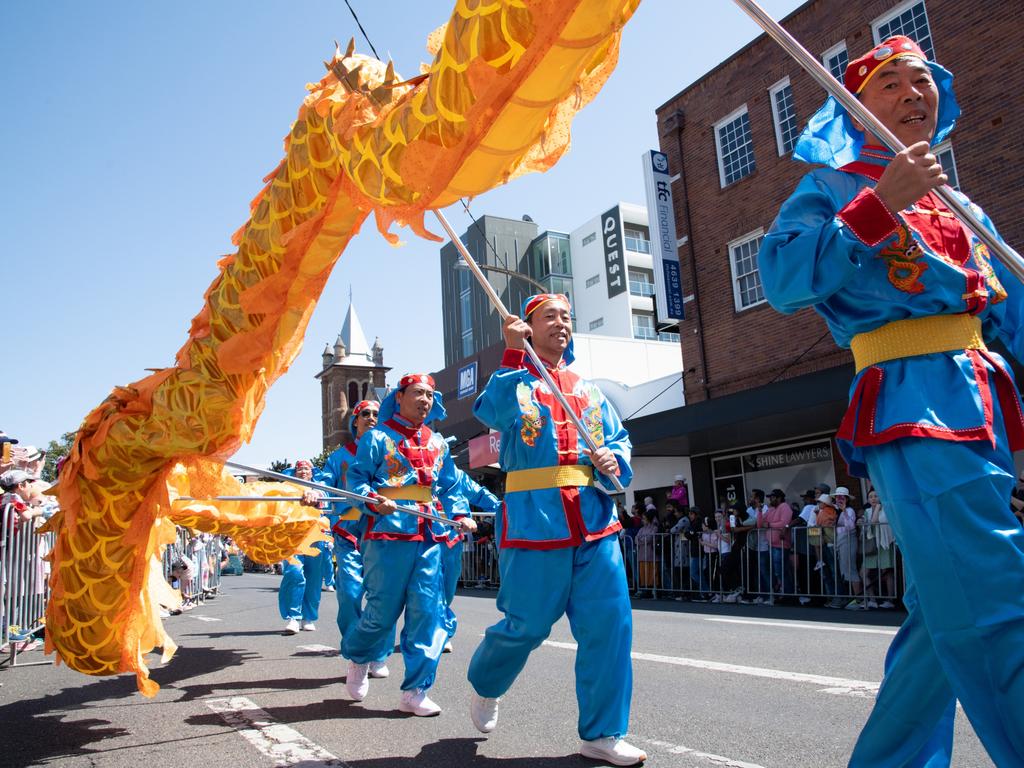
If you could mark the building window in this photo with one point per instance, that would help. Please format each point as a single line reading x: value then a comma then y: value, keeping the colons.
x: 595, y: 324
x: 908, y: 19
x: 592, y: 281
x: 746, y: 280
x: 637, y: 241
x: 589, y: 238
x: 944, y: 153
x: 467, y: 342
x: 353, y: 394
x: 784, y: 113
x: 643, y: 326
x: 668, y: 336
x: 641, y: 282
x: 735, y: 147
x: 835, y: 60
x: 560, y: 285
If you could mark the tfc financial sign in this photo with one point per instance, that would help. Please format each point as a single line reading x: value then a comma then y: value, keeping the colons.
x: 614, y: 256
x: 668, y: 285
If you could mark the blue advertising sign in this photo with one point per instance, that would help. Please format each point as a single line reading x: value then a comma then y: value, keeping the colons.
x: 467, y: 380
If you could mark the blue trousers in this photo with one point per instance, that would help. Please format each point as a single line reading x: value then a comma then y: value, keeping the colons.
x: 451, y: 570
x: 698, y: 573
x: 783, y: 569
x: 328, y: 568
x: 299, y: 593
x: 349, y: 584
x: 948, y: 504
x: 298, y: 596
x: 587, y: 583
x: 400, y: 576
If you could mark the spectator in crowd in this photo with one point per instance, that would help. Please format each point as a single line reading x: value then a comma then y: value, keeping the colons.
x: 757, y: 541
x: 879, y: 557
x: 636, y: 517
x: 698, y: 561
x: 21, y: 490
x: 777, y: 520
x: 804, y: 551
x: 680, y: 494
x: 645, y: 555
x: 710, y: 540
x: 680, y: 550
x: 846, y: 547
x: 826, y: 518
x: 732, y: 550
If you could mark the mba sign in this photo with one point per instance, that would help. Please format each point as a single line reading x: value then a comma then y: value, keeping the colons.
x: 668, y: 285
x: 614, y: 257
x: 467, y: 380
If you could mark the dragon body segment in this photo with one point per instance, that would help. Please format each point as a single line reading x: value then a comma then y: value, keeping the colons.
x: 506, y: 79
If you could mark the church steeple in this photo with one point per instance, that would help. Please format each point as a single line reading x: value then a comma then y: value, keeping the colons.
x: 352, y: 371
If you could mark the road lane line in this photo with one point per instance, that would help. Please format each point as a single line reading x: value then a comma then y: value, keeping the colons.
x: 804, y: 625
x: 203, y: 618
x: 679, y: 749
x: 282, y: 744
x: 835, y: 685
x: 326, y: 650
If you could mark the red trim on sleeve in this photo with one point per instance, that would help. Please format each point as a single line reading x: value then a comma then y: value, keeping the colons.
x: 868, y: 218
x: 513, y: 358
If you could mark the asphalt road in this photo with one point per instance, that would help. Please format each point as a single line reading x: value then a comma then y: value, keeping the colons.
x: 714, y: 685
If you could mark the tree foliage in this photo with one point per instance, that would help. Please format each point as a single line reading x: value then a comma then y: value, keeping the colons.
x: 55, y: 451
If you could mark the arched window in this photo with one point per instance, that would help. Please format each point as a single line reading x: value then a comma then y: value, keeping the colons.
x: 353, y: 393
x: 366, y: 384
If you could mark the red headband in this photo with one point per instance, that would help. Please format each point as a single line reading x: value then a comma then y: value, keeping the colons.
x: 861, y: 70
x: 362, y: 405
x: 534, y: 302
x: 416, y: 378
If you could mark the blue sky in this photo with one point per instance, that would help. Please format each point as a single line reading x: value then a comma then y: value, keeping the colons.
x: 136, y: 134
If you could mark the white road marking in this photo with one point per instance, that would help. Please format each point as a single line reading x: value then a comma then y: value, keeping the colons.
x: 203, y: 618
x: 326, y: 650
x: 834, y: 685
x: 679, y: 749
x: 805, y: 625
x: 283, y: 745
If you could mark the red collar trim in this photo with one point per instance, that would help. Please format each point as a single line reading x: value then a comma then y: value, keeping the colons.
x: 352, y: 447
x: 872, y: 171
x: 405, y: 431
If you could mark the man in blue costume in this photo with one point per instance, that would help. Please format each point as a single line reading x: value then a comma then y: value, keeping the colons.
x: 348, y: 526
x: 403, y: 460
x: 298, y: 594
x: 557, y: 533
x: 934, y: 415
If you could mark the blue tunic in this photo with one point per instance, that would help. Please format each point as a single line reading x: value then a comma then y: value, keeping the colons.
x: 536, y: 433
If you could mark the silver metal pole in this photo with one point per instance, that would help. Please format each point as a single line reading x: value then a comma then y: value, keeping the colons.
x: 1010, y: 258
x: 348, y: 495
x: 257, y: 498
x: 530, y: 351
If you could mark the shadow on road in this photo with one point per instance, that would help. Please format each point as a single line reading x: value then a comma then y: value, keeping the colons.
x: 463, y: 753
x: 55, y: 732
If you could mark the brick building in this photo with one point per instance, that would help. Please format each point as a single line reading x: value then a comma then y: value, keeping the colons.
x: 763, y: 389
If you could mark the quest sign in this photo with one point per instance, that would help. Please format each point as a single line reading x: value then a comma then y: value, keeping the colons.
x: 614, y: 258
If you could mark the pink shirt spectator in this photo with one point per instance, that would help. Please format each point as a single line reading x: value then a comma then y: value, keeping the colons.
x: 776, y: 519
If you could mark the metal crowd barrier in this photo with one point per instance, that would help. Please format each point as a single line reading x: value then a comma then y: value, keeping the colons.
x: 204, y: 554
x: 479, y: 564
x: 24, y: 584
x: 820, y: 565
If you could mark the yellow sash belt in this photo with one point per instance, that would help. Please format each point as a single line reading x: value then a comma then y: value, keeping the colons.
x: 916, y: 336
x: 566, y: 476
x: 420, y: 493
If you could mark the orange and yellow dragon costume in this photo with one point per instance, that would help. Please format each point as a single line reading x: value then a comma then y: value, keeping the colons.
x: 506, y: 79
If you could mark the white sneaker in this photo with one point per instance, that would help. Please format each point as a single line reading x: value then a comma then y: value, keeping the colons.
x: 612, y: 750
x: 308, y: 626
x: 872, y: 604
x: 758, y: 600
x: 418, y: 703
x: 731, y: 598
x: 357, y: 680
x: 804, y: 600
x: 819, y: 565
x: 484, y: 712
x: 887, y: 605
x: 716, y: 599
x: 379, y: 669
x: 856, y: 605
x: 447, y: 647
x: 292, y: 627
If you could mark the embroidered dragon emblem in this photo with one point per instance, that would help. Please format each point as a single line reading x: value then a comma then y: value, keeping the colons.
x: 982, y: 258
x: 902, y: 256
x: 397, y: 470
x: 529, y: 414
x: 592, y: 418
